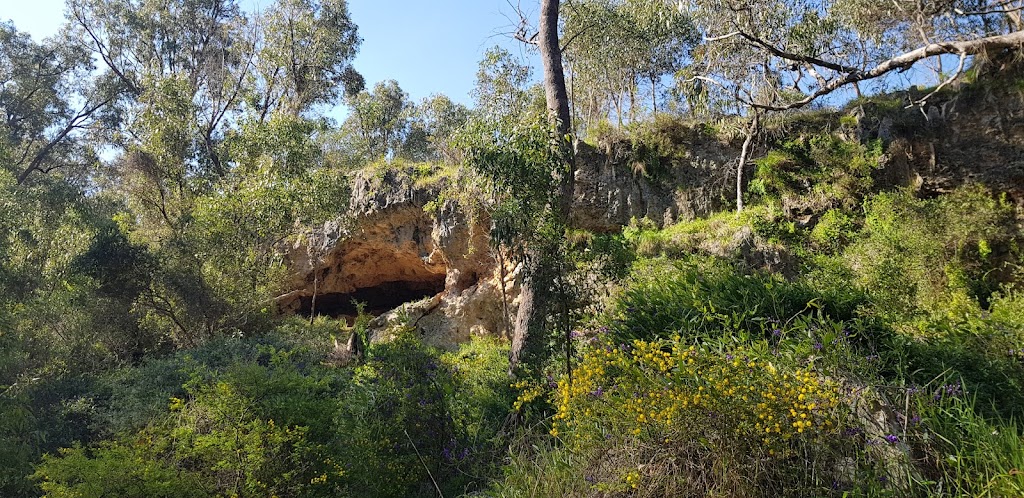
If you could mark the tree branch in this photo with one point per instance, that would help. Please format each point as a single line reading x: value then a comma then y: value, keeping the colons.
x: 74, y: 123
x: 904, y: 61
x: 796, y: 57
x: 947, y: 81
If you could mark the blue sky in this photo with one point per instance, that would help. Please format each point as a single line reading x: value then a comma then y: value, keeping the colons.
x: 427, y: 46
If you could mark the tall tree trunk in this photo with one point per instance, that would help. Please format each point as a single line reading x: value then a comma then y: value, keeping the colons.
x: 654, y: 94
x: 744, y: 155
x: 312, y: 302
x: 529, y: 326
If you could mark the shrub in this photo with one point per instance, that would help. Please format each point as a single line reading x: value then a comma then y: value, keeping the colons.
x: 817, y: 172
x: 412, y: 418
x: 972, y: 455
x: 926, y: 255
x: 834, y: 230
x: 708, y: 297
x: 720, y: 417
x: 255, y: 431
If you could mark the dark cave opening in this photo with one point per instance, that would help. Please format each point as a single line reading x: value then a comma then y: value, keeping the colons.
x: 378, y: 299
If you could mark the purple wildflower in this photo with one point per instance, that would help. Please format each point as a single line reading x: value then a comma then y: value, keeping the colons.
x: 852, y: 431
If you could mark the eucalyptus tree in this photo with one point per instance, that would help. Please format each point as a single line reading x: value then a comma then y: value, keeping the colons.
x: 618, y: 51
x: 379, y: 120
x: 197, y: 44
x: 547, y: 169
x: 501, y: 93
x: 290, y: 58
x: 433, y: 125
x: 197, y: 77
x: 305, y: 58
x: 48, y: 105
x: 794, y: 52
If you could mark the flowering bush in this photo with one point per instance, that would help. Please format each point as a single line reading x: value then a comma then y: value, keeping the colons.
x: 667, y: 390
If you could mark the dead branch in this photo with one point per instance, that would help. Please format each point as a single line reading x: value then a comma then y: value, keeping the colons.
x: 900, y: 62
x: 959, y: 71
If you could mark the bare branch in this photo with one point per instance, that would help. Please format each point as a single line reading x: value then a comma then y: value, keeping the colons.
x: 73, y: 124
x: 704, y: 78
x: 726, y: 36
x: 522, y: 31
x: 947, y: 81
x: 904, y: 61
x: 1004, y: 7
x: 797, y: 57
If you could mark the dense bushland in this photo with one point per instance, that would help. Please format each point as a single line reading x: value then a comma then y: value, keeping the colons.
x: 841, y: 335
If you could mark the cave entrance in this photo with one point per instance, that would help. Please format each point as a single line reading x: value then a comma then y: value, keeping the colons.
x: 379, y: 299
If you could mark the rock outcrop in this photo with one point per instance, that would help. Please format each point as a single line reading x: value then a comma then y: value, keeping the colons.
x: 422, y: 262
x: 392, y: 251
x: 974, y: 135
x: 432, y: 270
x: 613, y: 186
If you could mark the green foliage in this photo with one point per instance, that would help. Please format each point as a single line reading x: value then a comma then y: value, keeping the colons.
x: 501, y: 91
x: 379, y: 120
x: 925, y: 254
x: 834, y: 230
x: 263, y: 417
x: 759, y: 412
x: 723, y: 234
x: 818, y: 172
x: 48, y: 100
x: 704, y: 297
x: 119, y: 469
x: 981, y: 348
x: 433, y: 129
x: 517, y: 162
x: 658, y: 144
x: 306, y: 55
x: 411, y: 416
x: 976, y: 455
x: 222, y: 438
x: 650, y: 43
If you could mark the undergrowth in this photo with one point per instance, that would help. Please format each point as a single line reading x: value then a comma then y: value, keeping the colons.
x: 889, y: 364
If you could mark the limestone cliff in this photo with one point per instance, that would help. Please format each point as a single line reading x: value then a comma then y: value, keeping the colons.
x: 418, y: 258
x: 390, y: 251
x: 425, y: 262
x: 970, y: 134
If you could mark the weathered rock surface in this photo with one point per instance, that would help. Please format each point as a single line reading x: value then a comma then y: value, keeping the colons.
x: 973, y: 136
x: 613, y: 187
x: 394, y: 252
x: 434, y: 271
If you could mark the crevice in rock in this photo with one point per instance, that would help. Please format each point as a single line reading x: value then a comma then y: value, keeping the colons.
x: 379, y: 299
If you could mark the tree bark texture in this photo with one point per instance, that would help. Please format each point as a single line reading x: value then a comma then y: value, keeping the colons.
x: 530, y: 317
x: 744, y: 156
